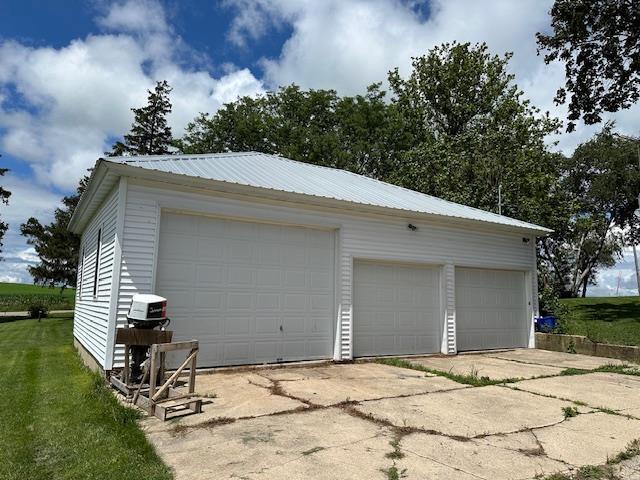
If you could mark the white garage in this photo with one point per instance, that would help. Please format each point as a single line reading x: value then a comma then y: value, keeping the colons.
x: 263, y: 259
x: 491, y: 309
x: 249, y: 292
x: 396, y: 309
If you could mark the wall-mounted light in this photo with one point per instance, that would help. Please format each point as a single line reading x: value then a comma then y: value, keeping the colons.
x: 412, y: 227
x: 525, y: 240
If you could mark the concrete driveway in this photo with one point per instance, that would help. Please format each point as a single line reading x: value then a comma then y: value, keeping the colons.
x: 374, y: 421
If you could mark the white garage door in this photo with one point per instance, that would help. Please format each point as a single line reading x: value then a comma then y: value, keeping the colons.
x: 396, y: 309
x: 249, y: 292
x: 490, y: 309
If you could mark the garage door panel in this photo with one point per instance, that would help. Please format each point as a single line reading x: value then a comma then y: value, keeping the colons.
x: 396, y: 309
x: 235, y: 290
x: 490, y: 309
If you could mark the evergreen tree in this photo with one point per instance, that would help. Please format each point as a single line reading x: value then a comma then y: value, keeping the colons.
x: 57, y: 247
x: 150, y: 134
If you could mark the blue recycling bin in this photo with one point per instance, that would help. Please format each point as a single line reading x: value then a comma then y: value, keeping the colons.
x: 545, y: 324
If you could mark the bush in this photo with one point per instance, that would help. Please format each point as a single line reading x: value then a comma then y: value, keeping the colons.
x: 38, y: 310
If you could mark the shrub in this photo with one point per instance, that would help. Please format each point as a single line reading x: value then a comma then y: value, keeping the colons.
x: 38, y: 310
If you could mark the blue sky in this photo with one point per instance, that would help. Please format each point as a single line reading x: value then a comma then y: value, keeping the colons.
x: 70, y: 72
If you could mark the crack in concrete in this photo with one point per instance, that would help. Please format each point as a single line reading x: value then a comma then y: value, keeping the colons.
x: 580, y: 403
x: 457, y: 469
x: 303, y: 455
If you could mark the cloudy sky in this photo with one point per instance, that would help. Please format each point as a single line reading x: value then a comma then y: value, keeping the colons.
x: 70, y: 72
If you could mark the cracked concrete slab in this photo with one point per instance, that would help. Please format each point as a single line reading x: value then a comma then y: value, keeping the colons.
x: 339, y: 383
x: 609, y: 390
x: 469, y: 412
x: 429, y: 456
x: 237, y: 395
x: 554, y: 359
x: 324, y: 443
x: 588, y: 439
x: 485, y: 366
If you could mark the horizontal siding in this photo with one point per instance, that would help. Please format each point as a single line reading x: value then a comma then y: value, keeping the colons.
x: 365, y: 237
x: 91, y: 316
x: 138, y: 256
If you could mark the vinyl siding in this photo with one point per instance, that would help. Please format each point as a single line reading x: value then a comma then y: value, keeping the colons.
x: 91, y: 316
x: 359, y: 237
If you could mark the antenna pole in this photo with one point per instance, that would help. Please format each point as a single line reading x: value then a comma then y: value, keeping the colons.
x: 499, y: 199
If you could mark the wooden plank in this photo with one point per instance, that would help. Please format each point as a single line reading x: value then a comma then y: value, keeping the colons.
x: 192, y: 371
x: 179, y: 397
x: 175, y: 375
x: 170, y: 347
x: 120, y: 385
x: 153, y: 378
x: 142, y: 336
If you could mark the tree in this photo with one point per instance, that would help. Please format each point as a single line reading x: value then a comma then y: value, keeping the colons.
x: 471, y: 131
x: 150, y: 134
x: 4, y: 198
x: 312, y: 126
x: 600, y: 180
x: 57, y: 247
x: 599, y: 41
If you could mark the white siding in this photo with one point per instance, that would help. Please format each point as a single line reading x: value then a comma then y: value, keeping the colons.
x: 91, y: 317
x: 359, y: 237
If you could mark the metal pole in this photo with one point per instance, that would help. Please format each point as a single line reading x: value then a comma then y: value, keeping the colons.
x: 635, y: 257
x: 499, y: 199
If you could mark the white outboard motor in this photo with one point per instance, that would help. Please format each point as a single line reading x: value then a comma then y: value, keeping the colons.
x: 146, y: 313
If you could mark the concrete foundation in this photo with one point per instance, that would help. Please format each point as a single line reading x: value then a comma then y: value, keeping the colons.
x: 88, y: 359
x: 579, y: 344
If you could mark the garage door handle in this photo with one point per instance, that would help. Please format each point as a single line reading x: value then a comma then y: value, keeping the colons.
x: 281, y: 329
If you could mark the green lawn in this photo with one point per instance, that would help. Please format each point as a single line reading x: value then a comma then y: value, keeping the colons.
x: 605, y: 319
x: 18, y: 296
x: 57, y: 419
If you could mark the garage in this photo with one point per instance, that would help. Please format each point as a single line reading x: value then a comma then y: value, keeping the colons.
x: 396, y: 309
x: 490, y: 309
x: 249, y: 292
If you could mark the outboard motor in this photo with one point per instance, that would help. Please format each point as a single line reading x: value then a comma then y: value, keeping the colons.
x: 146, y: 312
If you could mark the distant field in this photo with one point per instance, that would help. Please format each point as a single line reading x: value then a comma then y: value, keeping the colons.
x: 18, y: 296
x: 605, y: 319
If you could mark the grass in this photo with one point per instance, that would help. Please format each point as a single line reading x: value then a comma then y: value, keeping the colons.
x: 600, y: 472
x: 570, y: 412
x: 472, y: 379
x: 18, y: 296
x: 58, y: 419
x: 614, y: 320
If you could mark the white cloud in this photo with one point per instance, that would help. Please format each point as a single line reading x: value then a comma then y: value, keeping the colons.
x: 346, y: 45
x: 75, y: 98
x: 618, y: 280
x: 27, y: 200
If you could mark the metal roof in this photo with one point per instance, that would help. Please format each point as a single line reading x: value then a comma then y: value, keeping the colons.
x: 281, y: 174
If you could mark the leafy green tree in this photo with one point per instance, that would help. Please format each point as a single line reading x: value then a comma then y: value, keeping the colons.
x: 471, y: 131
x: 150, y: 134
x: 312, y: 126
x: 600, y: 180
x: 599, y: 42
x: 57, y: 247
x: 4, y: 198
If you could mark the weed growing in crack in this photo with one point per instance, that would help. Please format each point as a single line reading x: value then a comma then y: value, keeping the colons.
x: 623, y: 369
x: 396, y: 454
x: 570, y: 412
x: 632, y: 450
x: 393, y: 473
x: 471, y: 379
x: 600, y: 472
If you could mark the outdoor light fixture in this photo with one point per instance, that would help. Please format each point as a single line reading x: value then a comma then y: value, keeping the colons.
x: 525, y: 240
x: 412, y: 227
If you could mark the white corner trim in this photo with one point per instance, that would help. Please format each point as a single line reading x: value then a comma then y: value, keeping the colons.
x: 115, y: 276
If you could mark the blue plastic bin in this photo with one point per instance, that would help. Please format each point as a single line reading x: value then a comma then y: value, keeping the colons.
x: 545, y: 324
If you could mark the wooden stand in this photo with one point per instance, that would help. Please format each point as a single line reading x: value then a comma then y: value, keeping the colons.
x: 164, y: 399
